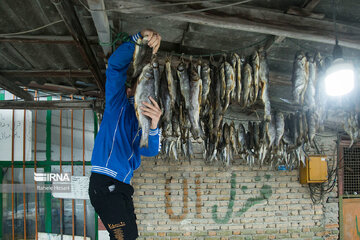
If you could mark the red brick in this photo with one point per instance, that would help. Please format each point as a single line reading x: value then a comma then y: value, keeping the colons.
x: 212, y: 233
x: 335, y: 225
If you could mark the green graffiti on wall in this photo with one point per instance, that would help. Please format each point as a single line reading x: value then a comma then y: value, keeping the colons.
x: 230, y: 205
x: 265, y: 193
x: 357, y: 228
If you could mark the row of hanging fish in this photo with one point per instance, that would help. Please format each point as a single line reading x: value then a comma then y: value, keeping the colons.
x: 195, y: 96
x: 280, y: 141
x: 306, y: 72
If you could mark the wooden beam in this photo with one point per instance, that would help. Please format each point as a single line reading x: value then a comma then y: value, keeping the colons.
x: 45, y: 39
x: 53, y: 105
x: 304, y: 13
x: 102, y: 26
x: 311, y: 4
x: 266, y: 21
x: 68, y: 14
x: 15, y: 89
x: 47, y: 73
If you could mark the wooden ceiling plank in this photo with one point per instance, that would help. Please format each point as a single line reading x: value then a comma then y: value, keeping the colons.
x: 271, y: 22
x: 311, y: 4
x: 68, y: 14
x: 47, y: 73
x: 15, y: 89
x: 101, y: 23
x: 44, y: 39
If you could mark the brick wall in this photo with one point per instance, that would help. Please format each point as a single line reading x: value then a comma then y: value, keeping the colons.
x: 182, y: 200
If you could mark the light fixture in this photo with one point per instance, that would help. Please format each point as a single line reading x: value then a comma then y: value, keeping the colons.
x: 339, y: 78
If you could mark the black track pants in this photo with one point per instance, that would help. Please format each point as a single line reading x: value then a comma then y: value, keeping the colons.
x: 115, y: 208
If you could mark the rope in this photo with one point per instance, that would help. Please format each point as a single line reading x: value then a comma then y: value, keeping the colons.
x: 31, y: 30
x: 198, y: 10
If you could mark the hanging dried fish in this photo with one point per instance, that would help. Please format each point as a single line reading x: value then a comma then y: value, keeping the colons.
x: 233, y: 138
x: 206, y: 82
x: 239, y: 67
x: 255, y: 62
x: 264, y: 84
x: 256, y: 129
x: 226, y: 141
x: 171, y: 82
x: 271, y: 132
x: 195, y: 103
x: 233, y: 65
x: 222, y: 82
x: 230, y: 85
x: 165, y: 101
x: 280, y: 128
x: 310, y: 90
x: 300, y: 77
x: 241, y: 139
x: 247, y: 83
x: 300, y: 128
x: 183, y: 77
x: 311, y: 122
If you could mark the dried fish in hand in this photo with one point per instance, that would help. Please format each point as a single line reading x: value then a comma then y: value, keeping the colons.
x: 145, y: 89
x: 156, y: 70
x: 141, y: 52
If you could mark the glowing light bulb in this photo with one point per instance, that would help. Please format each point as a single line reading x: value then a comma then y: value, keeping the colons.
x: 339, y: 78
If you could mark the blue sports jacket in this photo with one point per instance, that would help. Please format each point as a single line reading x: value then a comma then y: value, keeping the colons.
x: 117, y: 149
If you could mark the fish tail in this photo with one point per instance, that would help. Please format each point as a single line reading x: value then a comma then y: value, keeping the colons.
x: 144, y: 141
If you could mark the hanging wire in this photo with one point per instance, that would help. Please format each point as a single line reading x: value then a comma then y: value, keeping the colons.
x: 124, y: 37
x: 197, y: 10
x: 224, y: 52
x: 31, y: 30
x: 146, y: 5
x: 334, y: 21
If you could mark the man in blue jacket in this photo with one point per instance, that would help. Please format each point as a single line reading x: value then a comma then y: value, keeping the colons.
x: 117, y: 149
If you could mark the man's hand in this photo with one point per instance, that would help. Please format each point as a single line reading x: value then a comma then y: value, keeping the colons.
x: 154, y: 39
x: 152, y: 111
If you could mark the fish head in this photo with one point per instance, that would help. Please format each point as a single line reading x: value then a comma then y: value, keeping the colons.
x: 181, y: 67
x: 204, y: 66
x: 300, y: 57
x: 255, y: 57
x: 194, y: 75
x: 154, y: 62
